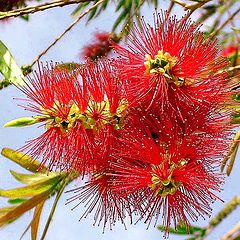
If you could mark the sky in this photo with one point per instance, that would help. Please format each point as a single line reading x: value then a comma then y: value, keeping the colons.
x: 25, y: 41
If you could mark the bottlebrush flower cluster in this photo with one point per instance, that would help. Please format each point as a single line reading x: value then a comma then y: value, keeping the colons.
x: 100, y: 46
x: 146, y: 128
x: 232, y: 53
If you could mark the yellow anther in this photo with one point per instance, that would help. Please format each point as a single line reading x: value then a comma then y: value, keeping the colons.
x: 183, y: 162
x: 165, y: 185
x: 162, y: 63
x: 95, y: 117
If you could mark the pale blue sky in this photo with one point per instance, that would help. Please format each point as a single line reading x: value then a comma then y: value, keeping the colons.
x: 26, y: 41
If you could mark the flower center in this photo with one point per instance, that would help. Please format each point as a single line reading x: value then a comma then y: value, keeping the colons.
x: 95, y: 117
x: 165, y: 185
x: 163, y: 64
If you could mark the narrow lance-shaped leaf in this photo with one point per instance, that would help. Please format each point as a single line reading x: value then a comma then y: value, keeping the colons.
x: 232, y: 159
x: 181, y: 229
x: 24, y: 207
x: 32, y: 178
x: 23, y: 160
x: 36, y: 220
x: 122, y: 16
x: 22, y: 122
x: 5, y: 210
x: 8, y: 67
x: 25, y: 17
x: 31, y: 190
x: 93, y: 12
x: 16, y: 201
x: 80, y: 7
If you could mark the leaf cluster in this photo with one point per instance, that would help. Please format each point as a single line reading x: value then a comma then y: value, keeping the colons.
x: 127, y: 9
x: 39, y: 186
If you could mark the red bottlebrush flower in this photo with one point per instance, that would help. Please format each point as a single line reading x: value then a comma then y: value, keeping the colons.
x: 171, y: 66
x: 174, y: 177
x: 81, y: 110
x: 100, y: 47
x: 232, y: 53
x: 98, y: 199
x: 157, y: 167
x: 229, y: 51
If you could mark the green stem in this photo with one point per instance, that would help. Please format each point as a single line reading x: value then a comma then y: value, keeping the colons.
x: 66, y: 181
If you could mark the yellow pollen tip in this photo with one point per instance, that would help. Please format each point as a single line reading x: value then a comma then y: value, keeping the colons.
x: 163, y: 63
x: 95, y: 117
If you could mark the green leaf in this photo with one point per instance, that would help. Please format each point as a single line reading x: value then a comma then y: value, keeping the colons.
x: 80, y: 7
x: 25, y: 17
x: 93, y: 12
x: 122, y: 16
x: 16, y: 212
x: 33, y: 189
x: 16, y: 201
x: 23, y: 160
x: 22, y: 122
x: 120, y: 5
x: 236, y: 97
x: 181, y: 229
x: 8, y: 67
x: 33, y: 178
x: 104, y: 5
x: 36, y: 220
x: 235, y: 118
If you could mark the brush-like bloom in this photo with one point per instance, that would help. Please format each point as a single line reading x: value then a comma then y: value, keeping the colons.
x: 157, y: 169
x: 100, y: 46
x: 171, y: 66
x: 81, y: 110
x: 149, y: 138
x: 232, y: 53
x: 96, y: 195
x: 230, y: 50
x: 172, y: 177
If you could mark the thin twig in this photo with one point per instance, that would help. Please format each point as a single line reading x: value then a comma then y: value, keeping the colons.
x: 41, y: 7
x: 171, y: 5
x: 67, y: 30
x: 234, y: 68
x: 224, y: 8
x: 213, y: 34
x: 232, y: 232
x: 232, y: 149
x: 227, y: 209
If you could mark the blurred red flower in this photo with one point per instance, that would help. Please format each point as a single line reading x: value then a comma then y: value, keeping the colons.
x: 100, y: 46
